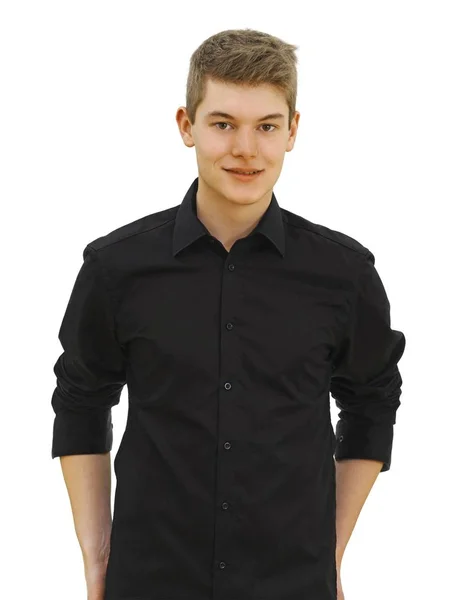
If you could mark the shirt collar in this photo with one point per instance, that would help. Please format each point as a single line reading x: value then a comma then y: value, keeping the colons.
x: 189, y: 228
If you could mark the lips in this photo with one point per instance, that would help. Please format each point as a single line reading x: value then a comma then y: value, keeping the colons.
x: 241, y: 172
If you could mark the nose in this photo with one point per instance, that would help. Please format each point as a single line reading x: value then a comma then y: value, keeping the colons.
x: 244, y: 144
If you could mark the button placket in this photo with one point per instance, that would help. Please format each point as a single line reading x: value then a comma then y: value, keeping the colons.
x: 225, y: 528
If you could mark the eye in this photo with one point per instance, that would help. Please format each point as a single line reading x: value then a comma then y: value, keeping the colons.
x: 268, y: 125
x: 221, y: 123
x: 263, y: 125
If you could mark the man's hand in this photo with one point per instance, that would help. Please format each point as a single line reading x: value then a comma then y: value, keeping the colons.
x: 95, y: 579
x: 340, y: 593
x: 339, y: 555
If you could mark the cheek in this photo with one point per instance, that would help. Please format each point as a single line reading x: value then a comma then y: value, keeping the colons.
x: 275, y: 152
x: 211, y: 151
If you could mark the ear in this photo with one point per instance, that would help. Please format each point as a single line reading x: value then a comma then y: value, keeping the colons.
x: 293, y: 131
x: 184, y: 126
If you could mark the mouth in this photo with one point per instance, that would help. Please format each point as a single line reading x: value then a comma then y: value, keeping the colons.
x: 244, y: 176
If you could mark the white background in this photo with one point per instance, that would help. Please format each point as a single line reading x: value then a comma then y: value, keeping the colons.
x: 89, y: 142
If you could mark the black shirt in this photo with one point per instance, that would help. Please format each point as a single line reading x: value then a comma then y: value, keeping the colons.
x: 225, y: 473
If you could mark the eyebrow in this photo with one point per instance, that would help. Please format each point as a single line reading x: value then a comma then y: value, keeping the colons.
x: 217, y: 113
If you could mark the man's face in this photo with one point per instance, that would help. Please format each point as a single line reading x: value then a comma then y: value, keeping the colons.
x: 244, y: 141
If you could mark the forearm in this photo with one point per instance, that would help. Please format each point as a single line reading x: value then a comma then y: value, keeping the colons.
x: 88, y: 482
x: 354, y: 480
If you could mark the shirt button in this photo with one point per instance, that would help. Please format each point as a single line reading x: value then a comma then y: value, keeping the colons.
x: 341, y: 437
x: 229, y: 326
x: 225, y: 505
x: 227, y: 386
x: 231, y: 267
x: 227, y: 445
x: 222, y: 565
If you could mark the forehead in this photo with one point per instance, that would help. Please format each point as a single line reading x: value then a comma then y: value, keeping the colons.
x: 239, y: 98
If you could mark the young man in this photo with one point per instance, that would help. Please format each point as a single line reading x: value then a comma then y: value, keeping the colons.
x: 231, y: 320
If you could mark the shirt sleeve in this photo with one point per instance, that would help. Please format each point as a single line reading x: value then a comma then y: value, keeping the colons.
x: 90, y: 373
x: 366, y: 382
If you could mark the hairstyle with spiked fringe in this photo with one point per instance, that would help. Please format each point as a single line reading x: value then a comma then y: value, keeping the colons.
x: 242, y: 56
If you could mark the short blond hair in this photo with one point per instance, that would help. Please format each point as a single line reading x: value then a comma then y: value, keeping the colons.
x: 242, y: 56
